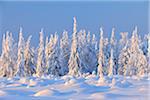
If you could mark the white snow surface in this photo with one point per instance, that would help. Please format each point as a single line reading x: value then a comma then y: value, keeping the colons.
x: 71, y: 88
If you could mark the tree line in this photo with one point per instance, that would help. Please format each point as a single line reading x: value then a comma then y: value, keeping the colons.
x: 83, y: 53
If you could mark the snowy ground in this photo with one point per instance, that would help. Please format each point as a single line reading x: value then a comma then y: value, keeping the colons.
x: 69, y: 88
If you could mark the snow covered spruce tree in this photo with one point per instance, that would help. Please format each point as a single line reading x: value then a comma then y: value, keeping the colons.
x: 123, y: 60
x: 113, y: 45
x: 137, y: 62
x: 8, y: 56
x: 101, y: 58
x: 20, y: 70
x: 29, y: 63
x: 39, y: 66
x: 132, y: 60
x: 123, y: 54
x: 54, y: 57
x: 64, y: 52
x: 90, y: 54
x: 48, y: 46
x: 88, y: 58
x: 73, y: 63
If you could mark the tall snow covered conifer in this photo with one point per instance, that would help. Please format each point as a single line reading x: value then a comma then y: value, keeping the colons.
x: 39, y: 66
x: 101, y: 57
x: 73, y: 63
x: 8, y: 58
x: 88, y: 58
x: 20, y: 60
x: 137, y: 64
x: 123, y: 57
x: 55, y: 61
x: 29, y: 63
x: 64, y: 51
x: 114, y: 46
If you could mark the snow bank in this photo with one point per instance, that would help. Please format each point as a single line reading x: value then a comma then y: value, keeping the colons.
x: 45, y: 92
x: 76, y: 88
x: 121, y: 84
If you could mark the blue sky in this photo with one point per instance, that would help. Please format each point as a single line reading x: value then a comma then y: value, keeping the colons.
x: 58, y: 15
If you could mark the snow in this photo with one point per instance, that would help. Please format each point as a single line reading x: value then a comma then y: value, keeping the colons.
x: 68, y: 87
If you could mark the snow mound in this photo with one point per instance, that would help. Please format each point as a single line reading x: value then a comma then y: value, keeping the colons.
x: 32, y: 83
x: 123, y: 84
x: 45, y: 92
x: 14, y: 85
x: 23, y: 81
x: 3, y: 93
x: 70, y: 82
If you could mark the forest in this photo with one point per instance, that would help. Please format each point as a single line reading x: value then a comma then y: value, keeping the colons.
x: 82, y: 54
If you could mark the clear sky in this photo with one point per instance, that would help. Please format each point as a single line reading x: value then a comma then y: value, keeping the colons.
x: 58, y: 15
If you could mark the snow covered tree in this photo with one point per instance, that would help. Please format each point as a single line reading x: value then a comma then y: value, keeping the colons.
x: 123, y: 54
x: 8, y: 58
x: 111, y: 64
x: 114, y: 46
x: 123, y: 60
x: 39, y: 67
x: 91, y: 54
x: 48, y: 46
x: 132, y: 61
x: 29, y: 63
x: 64, y: 52
x: 88, y: 58
x: 20, y: 71
x: 137, y: 60
x: 81, y: 37
x: 54, y: 57
x: 101, y: 57
x: 106, y: 51
x: 74, y: 57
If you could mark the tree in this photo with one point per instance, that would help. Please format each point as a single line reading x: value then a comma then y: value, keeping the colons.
x: 88, y: 58
x: 64, y: 52
x: 137, y: 60
x: 29, y: 59
x: 20, y: 71
x: 8, y: 58
x: 73, y: 63
x: 101, y: 57
x: 48, y: 46
x: 123, y: 54
x: 40, y: 69
x: 90, y: 54
x: 54, y: 59
x: 114, y: 46
x: 123, y: 60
